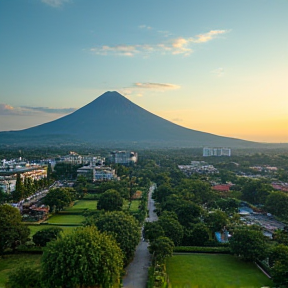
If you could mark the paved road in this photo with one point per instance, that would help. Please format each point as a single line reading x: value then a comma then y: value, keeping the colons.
x: 137, y: 270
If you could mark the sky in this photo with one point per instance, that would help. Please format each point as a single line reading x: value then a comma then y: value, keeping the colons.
x: 216, y: 66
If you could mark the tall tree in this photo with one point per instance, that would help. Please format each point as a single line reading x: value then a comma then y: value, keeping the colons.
x: 12, y: 231
x: 124, y: 228
x: 162, y: 247
x: 110, y: 200
x: 85, y: 258
x: 249, y: 244
x: 58, y: 198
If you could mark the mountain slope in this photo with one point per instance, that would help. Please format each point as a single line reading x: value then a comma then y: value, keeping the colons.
x: 113, y: 118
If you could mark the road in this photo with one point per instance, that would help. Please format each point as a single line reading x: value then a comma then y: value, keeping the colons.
x: 137, y: 271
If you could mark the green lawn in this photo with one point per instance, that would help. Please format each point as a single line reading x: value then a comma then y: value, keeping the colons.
x: 213, y: 271
x: 10, y: 262
x: 63, y: 219
x: 134, y: 205
x: 81, y: 205
x: 35, y: 228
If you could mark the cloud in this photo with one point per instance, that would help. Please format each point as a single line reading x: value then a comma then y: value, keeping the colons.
x: 202, y: 38
x: 55, y: 3
x: 145, y: 27
x: 157, y: 86
x: 51, y: 110
x: 175, y: 46
x: 6, y: 109
x: 177, y: 119
x: 219, y: 72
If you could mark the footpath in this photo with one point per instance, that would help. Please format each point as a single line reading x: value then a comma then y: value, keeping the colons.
x: 137, y: 271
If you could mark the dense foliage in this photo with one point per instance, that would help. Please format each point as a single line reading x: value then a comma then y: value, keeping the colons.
x: 85, y: 258
x: 42, y: 237
x: 12, y: 231
x: 124, y: 228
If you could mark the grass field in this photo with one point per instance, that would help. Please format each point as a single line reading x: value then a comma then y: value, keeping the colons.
x: 81, y: 205
x: 134, y: 205
x: 10, y: 262
x: 213, y: 271
x: 35, y: 228
x: 66, y: 219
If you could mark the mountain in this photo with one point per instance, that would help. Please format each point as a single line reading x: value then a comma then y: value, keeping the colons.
x: 113, y: 119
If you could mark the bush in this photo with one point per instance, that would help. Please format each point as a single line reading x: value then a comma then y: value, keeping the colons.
x: 24, y: 277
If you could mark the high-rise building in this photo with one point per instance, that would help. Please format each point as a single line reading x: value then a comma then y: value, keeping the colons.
x: 216, y: 151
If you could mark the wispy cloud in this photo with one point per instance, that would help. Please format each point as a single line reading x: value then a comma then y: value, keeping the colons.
x: 145, y: 27
x: 55, y: 3
x: 219, y: 72
x: 6, y: 109
x: 177, y: 119
x: 50, y: 110
x: 174, y: 46
x: 157, y: 86
x: 202, y: 38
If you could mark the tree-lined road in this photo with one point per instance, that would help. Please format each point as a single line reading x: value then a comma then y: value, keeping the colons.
x: 137, y: 271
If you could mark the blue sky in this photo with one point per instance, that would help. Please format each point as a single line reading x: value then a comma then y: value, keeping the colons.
x: 214, y: 66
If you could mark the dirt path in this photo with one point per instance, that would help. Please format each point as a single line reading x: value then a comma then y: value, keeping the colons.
x: 137, y: 270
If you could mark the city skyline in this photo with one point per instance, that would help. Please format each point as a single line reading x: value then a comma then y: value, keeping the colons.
x: 214, y: 66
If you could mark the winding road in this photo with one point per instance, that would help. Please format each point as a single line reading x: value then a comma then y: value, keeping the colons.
x: 137, y: 271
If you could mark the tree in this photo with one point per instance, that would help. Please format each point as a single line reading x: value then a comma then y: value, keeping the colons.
x: 153, y: 230
x: 255, y: 191
x: 42, y: 237
x: 248, y: 244
x: 162, y: 247
x: 24, y: 277
x: 277, y: 203
x: 188, y: 213
x: 216, y: 220
x: 110, y: 200
x: 172, y: 228
x: 281, y: 236
x: 58, y: 198
x: 12, y: 231
x: 278, y: 260
x: 124, y: 228
x: 85, y: 258
x: 197, y: 236
x: 3, y: 196
x: 18, y: 194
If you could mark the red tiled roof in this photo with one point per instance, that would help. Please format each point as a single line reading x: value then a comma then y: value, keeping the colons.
x: 222, y: 187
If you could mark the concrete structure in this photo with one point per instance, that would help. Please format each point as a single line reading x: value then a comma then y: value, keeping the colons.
x: 216, y: 151
x: 104, y: 174
x: 123, y: 157
x: 199, y: 167
x: 97, y: 173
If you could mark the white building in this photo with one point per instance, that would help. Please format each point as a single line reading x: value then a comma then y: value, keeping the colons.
x: 216, y: 151
x: 123, y: 157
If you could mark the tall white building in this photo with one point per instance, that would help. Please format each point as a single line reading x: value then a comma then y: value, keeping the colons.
x: 216, y: 151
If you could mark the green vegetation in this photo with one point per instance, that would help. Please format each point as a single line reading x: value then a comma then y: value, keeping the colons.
x: 62, y: 219
x: 203, y: 270
x: 11, y: 262
x: 81, y: 205
x: 85, y: 258
x: 36, y: 228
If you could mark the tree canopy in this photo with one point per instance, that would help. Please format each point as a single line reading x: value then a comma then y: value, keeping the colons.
x: 59, y: 198
x: 42, y: 237
x: 12, y: 231
x: 124, y: 228
x: 110, y: 200
x: 85, y: 258
x: 248, y: 243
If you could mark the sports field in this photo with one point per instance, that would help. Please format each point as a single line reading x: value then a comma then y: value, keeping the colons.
x: 214, y: 271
